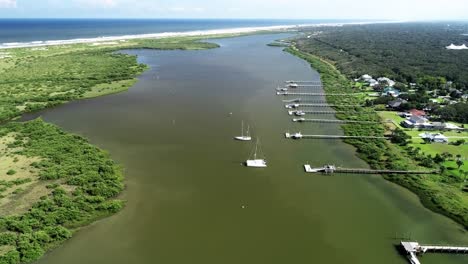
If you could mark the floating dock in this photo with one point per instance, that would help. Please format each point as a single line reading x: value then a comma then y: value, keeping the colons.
x: 413, y: 249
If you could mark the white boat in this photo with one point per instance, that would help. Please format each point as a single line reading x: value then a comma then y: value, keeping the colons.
x: 325, y: 169
x: 299, y: 119
x: 247, y: 137
x: 297, y: 135
x: 292, y: 106
x: 300, y: 113
x: 255, y: 162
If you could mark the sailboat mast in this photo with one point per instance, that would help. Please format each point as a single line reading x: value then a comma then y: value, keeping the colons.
x: 255, y: 153
x: 242, y: 128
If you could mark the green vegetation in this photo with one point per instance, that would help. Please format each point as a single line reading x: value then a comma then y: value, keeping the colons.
x: 444, y: 193
x: 456, y: 112
x: 52, y: 182
x: 32, y: 79
x: 407, y: 53
x: 86, y: 181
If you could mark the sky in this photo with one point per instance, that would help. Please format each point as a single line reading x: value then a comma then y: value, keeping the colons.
x: 279, y: 9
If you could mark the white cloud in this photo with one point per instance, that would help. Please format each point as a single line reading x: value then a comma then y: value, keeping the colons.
x: 7, y: 3
x: 177, y: 9
x: 96, y: 3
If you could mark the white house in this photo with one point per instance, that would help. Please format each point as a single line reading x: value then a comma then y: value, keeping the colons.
x: 366, y: 77
x: 386, y: 80
x: 436, y: 138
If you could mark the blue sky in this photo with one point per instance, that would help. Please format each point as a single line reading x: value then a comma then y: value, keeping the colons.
x: 296, y: 9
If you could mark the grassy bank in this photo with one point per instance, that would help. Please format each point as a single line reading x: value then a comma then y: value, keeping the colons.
x: 36, y: 78
x: 60, y: 182
x: 439, y: 193
x: 53, y: 182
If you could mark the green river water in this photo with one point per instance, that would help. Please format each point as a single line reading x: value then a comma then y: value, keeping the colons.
x: 191, y: 201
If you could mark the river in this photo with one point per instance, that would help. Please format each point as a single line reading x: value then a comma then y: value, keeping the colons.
x: 191, y: 201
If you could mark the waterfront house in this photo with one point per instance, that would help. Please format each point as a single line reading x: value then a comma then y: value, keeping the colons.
x: 415, y: 122
x: 390, y: 91
x: 395, y: 104
x: 436, y: 138
x: 386, y: 81
x: 435, y: 125
x: 366, y: 77
x: 416, y: 112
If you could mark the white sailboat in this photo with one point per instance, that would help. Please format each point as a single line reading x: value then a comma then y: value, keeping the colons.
x: 243, y: 137
x: 255, y: 162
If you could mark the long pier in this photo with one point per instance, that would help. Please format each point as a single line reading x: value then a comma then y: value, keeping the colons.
x: 329, y: 169
x: 337, y: 121
x: 291, y: 106
x: 328, y: 112
x: 295, y: 85
x: 413, y: 249
x: 301, y: 136
x: 317, y: 94
x: 292, y: 81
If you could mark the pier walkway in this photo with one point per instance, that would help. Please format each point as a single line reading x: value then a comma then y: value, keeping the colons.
x: 338, y: 121
x: 317, y: 94
x: 329, y: 169
x: 413, y: 249
x: 314, y: 82
x: 290, y: 106
x: 301, y: 136
x: 329, y: 112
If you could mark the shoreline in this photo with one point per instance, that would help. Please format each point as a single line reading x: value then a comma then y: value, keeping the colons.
x: 330, y: 75
x: 196, y: 33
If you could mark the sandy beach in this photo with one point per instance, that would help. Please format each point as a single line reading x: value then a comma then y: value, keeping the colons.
x: 244, y: 30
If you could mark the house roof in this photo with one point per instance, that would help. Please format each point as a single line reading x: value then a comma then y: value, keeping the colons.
x: 397, y: 103
x: 416, y: 112
x: 417, y: 120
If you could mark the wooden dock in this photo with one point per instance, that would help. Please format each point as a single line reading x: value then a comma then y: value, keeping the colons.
x: 366, y: 171
x: 329, y: 112
x: 413, y: 249
x: 293, y: 81
x: 329, y: 169
x: 316, y: 94
x: 290, y: 106
x: 302, y: 136
x: 293, y: 86
x: 337, y: 121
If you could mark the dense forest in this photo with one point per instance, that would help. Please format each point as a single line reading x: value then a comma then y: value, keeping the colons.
x: 407, y: 53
